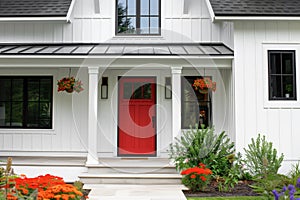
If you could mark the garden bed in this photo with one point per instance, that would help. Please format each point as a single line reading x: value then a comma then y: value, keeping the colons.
x: 241, y: 189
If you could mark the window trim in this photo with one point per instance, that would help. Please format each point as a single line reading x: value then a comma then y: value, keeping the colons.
x: 138, y: 16
x: 38, y: 77
x: 263, y: 68
x: 293, y: 52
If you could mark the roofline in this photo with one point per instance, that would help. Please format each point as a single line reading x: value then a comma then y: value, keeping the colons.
x: 70, y: 11
x: 215, y: 57
x: 256, y: 18
x: 210, y: 10
x: 33, y: 19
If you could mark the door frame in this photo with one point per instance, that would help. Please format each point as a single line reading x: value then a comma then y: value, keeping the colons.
x: 155, y: 128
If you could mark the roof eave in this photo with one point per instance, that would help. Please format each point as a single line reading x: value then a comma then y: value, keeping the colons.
x: 255, y: 18
x: 34, y: 19
x: 210, y: 10
x: 70, y: 11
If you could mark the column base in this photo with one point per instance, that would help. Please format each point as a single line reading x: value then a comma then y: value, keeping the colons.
x: 92, y: 160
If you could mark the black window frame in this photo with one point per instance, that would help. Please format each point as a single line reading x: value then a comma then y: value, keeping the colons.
x: 208, y: 122
x: 138, y: 16
x: 25, y: 101
x: 281, y: 75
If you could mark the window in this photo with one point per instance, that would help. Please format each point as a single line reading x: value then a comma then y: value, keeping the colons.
x: 26, y: 102
x: 195, y: 106
x: 282, y: 75
x: 138, y: 17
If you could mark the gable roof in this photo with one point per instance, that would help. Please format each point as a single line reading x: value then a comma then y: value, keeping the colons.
x: 255, y: 9
x: 34, y: 8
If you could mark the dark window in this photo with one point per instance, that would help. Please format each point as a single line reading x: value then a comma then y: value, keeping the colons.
x: 138, y: 17
x: 195, y: 106
x: 282, y: 75
x: 26, y: 102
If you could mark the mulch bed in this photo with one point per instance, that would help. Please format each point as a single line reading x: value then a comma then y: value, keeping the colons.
x: 242, y: 189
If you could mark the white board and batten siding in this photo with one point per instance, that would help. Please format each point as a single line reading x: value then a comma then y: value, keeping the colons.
x: 192, y: 25
x: 279, y: 121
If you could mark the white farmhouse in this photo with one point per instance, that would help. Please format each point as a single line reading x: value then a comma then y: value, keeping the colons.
x: 137, y: 61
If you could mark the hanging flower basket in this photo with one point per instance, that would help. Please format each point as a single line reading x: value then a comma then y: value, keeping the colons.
x: 204, y: 85
x: 69, y: 84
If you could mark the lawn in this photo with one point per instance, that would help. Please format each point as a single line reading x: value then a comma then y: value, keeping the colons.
x: 226, y: 198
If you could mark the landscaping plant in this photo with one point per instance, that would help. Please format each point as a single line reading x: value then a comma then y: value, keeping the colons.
x: 261, y: 157
x: 290, y: 192
x: 263, y: 163
x: 203, y: 146
x: 196, y: 178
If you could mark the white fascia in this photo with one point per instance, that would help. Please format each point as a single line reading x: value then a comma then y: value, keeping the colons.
x: 33, y: 19
x: 255, y: 18
x: 70, y: 11
x: 210, y: 10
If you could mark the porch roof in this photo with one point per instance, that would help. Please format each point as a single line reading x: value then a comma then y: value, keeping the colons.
x: 34, y: 8
x: 116, y: 49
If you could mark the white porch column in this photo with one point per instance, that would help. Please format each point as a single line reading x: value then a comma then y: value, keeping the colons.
x: 176, y: 101
x: 92, y: 157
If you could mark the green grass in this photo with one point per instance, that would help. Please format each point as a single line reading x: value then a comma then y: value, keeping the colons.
x: 226, y: 198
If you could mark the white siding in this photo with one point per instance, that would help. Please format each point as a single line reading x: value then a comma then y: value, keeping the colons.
x: 253, y: 111
x: 68, y: 118
x: 86, y: 26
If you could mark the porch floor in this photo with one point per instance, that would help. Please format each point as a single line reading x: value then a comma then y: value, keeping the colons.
x: 136, y: 192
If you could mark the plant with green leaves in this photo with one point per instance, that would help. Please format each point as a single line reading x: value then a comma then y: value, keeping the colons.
x: 261, y: 157
x: 203, y: 146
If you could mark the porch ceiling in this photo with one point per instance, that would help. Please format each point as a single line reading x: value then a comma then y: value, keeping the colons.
x: 116, y: 49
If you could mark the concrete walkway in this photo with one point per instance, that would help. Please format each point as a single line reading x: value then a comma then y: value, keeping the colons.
x: 136, y: 192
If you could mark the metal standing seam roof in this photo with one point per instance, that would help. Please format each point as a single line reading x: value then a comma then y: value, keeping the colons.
x: 34, y: 8
x: 195, y: 49
x: 256, y: 7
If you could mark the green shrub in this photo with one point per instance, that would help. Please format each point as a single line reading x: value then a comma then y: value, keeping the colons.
x: 261, y: 158
x: 203, y: 146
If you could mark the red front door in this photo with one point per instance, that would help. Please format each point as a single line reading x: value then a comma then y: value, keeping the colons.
x: 137, y: 116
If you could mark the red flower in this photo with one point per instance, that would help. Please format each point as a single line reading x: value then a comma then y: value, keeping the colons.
x: 193, y: 176
x: 203, y: 178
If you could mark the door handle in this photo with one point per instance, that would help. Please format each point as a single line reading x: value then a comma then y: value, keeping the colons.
x: 153, y: 121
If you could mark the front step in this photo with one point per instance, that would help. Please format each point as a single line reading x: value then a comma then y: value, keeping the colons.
x: 146, y: 171
x: 123, y: 178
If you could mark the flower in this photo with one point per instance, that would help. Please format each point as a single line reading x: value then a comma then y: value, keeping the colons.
x: 204, y: 84
x: 69, y: 84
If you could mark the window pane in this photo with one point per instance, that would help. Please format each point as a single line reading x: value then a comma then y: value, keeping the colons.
x: 33, y: 117
x: 46, y: 89
x: 287, y: 61
x: 131, y: 7
x: 147, y: 91
x: 145, y: 10
x: 127, y: 90
x: 288, y: 86
x: 17, y: 90
x: 275, y: 63
x: 144, y: 25
x: 138, y: 91
x: 127, y: 25
x: 45, y: 110
x: 122, y: 4
x: 4, y: 114
x: 5, y: 89
x: 154, y: 25
x: 154, y: 9
x: 16, y: 115
x: 190, y: 114
x: 33, y: 90
x: 275, y: 88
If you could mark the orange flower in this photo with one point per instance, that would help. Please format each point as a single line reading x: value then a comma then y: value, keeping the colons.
x: 193, y: 176
x: 203, y: 178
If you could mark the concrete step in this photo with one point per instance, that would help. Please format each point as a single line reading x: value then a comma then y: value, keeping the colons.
x: 103, y: 169
x: 125, y: 178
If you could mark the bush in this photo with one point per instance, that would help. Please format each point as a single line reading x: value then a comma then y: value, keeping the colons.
x: 261, y: 158
x: 203, y: 146
x: 196, y: 178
